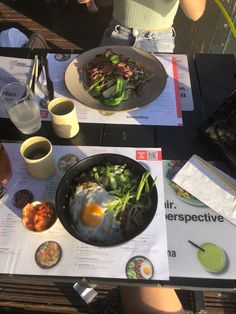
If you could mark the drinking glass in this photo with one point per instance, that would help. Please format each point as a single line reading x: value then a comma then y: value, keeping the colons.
x: 21, y: 107
x: 5, y: 166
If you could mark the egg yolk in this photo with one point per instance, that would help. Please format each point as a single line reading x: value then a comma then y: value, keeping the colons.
x: 146, y: 270
x: 91, y: 215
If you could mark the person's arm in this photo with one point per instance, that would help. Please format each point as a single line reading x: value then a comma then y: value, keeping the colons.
x: 150, y: 300
x: 193, y: 9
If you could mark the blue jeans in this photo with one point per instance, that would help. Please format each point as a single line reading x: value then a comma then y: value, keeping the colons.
x: 116, y: 34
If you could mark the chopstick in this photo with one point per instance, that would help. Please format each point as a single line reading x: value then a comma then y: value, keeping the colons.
x: 217, y: 174
x: 33, y: 72
x: 36, y: 73
x: 197, y: 246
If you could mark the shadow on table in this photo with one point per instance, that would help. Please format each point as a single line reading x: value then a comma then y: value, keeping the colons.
x: 108, y: 298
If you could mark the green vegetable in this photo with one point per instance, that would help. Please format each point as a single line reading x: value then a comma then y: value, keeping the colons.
x: 119, y: 94
x: 132, y: 195
x: 131, y: 265
x: 96, y: 83
x: 115, y: 59
x: 113, y: 78
x: 132, y: 274
x: 126, y: 199
x: 142, y: 183
x: 112, y: 179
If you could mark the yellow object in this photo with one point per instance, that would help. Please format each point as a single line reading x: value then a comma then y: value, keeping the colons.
x: 228, y: 19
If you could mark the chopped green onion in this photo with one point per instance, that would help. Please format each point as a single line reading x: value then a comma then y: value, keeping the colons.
x: 141, y: 185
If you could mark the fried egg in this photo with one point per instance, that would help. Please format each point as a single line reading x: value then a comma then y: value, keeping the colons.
x: 87, y: 207
x: 146, y: 269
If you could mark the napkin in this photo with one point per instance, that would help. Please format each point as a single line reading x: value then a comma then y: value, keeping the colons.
x: 13, y: 37
x: 210, y: 185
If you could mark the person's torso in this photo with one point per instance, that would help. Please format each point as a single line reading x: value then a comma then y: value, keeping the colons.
x: 145, y: 14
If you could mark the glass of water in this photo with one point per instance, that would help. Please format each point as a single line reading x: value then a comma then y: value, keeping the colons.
x: 21, y: 107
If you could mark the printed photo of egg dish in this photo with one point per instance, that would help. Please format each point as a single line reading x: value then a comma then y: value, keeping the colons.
x: 139, y: 267
x: 110, y: 202
x: 67, y: 161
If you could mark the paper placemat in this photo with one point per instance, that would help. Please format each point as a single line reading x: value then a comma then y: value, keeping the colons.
x: 185, y: 89
x: 166, y: 110
x: 18, y: 245
x: 189, y: 219
x: 186, y: 219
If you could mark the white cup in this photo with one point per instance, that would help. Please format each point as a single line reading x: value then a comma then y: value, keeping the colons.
x: 39, y: 158
x: 64, y: 117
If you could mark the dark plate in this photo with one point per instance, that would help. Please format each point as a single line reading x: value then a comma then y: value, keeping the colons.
x: 64, y: 192
x: 74, y: 78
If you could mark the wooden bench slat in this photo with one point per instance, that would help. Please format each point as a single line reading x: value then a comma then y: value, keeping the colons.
x: 43, y: 308
x: 41, y: 299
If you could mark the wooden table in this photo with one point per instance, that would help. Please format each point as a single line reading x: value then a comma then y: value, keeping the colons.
x: 213, y: 77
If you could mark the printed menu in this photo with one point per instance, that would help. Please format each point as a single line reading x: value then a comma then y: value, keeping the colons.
x: 163, y: 248
x: 184, y: 82
x: 24, y: 252
x: 188, y: 219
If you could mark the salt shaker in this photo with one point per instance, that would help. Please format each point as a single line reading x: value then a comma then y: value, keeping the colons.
x: 5, y: 166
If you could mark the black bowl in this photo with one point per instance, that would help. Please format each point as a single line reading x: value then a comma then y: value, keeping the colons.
x: 67, y: 186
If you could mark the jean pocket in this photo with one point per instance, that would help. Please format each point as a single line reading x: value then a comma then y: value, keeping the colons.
x: 118, y: 36
x: 164, y: 42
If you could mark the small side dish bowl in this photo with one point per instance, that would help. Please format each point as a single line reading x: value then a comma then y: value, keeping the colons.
x: 38, y: 216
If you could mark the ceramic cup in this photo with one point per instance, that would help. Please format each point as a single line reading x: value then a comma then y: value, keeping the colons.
x: 38, y: 156
x: 64, y: 117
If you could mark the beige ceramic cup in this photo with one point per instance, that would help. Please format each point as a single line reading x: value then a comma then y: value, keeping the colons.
x: 38, y: 156
x: 64, y: 117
